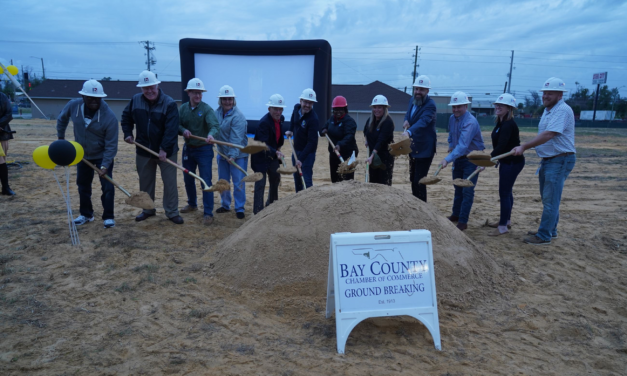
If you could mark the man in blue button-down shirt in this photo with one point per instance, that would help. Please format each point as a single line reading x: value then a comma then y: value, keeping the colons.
x: 420, y: 126
x: 464, y: 136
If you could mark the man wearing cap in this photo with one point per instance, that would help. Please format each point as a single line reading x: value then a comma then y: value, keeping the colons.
x: 304, y: 129
x: 96, y: 129
x: 6, y: 115
x: 555, y: 144
x: 156, y: 117
x: 197, y: 118
x: 464, y: 136
x: 419, y: 124
x: 267, y: 162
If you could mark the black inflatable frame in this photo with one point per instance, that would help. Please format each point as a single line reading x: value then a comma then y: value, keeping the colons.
x: 321, y: 49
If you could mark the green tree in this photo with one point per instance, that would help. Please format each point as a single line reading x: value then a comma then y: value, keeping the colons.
x: 106, y: 79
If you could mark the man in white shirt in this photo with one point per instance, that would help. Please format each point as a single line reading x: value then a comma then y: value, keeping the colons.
x: 555, y: 144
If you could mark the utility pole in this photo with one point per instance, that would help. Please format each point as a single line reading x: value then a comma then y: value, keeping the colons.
x: 511, y: 65
x: 43, y: 70
x: 594, y: 106
x: 149, y: 46
x: 415, y: 63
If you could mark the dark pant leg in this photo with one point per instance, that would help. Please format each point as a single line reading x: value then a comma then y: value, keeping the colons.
x: 507, y: 177
x: 84, y: 178
x: 147, y: 171
x: 418, y: 169
x: 334, y: 163
x: 260, y: 187
x: 108, y: 192
x: 275, y: 178
x: 189, y: 162
x: 468, y: 193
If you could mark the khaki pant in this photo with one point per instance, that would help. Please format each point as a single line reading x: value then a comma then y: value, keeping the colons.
x: 5, y: 148
x: 147, y: 171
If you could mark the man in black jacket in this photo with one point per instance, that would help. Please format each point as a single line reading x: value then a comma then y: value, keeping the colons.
x: 157, y: 119
x: 304, y: 128
x: 6, y: 115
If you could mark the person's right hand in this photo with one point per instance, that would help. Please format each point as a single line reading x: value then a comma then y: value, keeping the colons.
x: 288, y: 134
x: 323, y: 131
x: 279, y: 154
x: 518, y: 150
x: 405, y: 125
x: 187, y: 133
x: 444, y: 163
x: 129, y: 140
x: 299, y: 164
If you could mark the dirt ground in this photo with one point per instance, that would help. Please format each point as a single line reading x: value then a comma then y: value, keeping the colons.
x: 140, y: 299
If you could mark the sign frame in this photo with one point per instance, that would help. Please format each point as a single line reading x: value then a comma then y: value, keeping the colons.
x: 599, y: 78
x: 416, y: 241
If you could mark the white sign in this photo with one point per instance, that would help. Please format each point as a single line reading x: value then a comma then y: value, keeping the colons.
x: 382, y: 274
x: 599, y: 78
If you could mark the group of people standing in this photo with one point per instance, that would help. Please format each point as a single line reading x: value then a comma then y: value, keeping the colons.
x: 153, y: 120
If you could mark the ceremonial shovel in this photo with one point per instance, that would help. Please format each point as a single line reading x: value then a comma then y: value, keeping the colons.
x: 296, y: 159
x: 249, y: 178
x: 252, y: 147
x: 343, y: 168
x: 285, y: 170
x: 429, y: 180
x: 139, y: 200
x: 220, y: 186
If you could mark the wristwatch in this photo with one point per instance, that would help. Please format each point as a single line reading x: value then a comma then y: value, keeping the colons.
x: 103, y: 168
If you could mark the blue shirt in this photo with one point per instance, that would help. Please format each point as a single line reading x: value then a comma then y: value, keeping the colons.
x: 464, y: 136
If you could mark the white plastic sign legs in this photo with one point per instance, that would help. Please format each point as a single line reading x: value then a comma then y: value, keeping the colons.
x: 378, y: 274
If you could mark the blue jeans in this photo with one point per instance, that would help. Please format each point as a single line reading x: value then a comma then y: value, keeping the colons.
x: 227, y: 171
x: 84, y: 178
x: 307, y: 169
x: 507, y: 177
x: 553, y: 174
x: 464, y: 197
x: 202, y: 158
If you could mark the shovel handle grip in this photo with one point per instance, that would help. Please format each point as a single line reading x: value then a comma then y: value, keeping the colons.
x: 502, y: 156
x: 474, y: 173
x: 232, y: 163
x: 437, y: 171
x: 216, y: 142
x: 333, y: 146
x: 88, y: 163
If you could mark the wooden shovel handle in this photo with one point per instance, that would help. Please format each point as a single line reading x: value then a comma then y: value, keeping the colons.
x: 217, y: 142
x: 232, y: 163
x: 333, y: 146
x: 296, y: 159
x: 437, y: 171
x: 474, y: 173
x: 88, y: 163
x: 502, y: 156
x: 367, y: 153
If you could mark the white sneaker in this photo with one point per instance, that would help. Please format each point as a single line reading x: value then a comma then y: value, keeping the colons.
x: 108, y: 223
x: 81, y: 220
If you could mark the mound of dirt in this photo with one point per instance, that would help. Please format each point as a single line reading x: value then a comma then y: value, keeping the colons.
x: 286, y: 246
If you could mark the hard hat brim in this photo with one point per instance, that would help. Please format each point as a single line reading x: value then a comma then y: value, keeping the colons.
x: 226, y: 96
x: 562, y: 90
x: 379, y: 104
x: 309, y: 99
x: 92, y: 95
x: 417, y: 85
x: 203, y: 90
x: 274, y: 105
x: 458, y: 104
x: 146, y: 85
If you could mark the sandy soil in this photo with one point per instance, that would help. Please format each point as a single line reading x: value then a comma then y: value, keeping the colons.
x: 144, y: 298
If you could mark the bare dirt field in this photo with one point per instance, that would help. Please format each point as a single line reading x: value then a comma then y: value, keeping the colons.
x: 146, y: 299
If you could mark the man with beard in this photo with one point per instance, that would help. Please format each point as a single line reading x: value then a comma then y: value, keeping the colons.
x: 96, y: 129
x: 419, y: 124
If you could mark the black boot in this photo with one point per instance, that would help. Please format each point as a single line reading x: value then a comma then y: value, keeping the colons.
x: 4, y: 179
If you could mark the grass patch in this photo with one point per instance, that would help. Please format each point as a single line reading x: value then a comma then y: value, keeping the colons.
x: 169, y: 282
x: 124, y: 287
x: 190, y: 280
x: 198, y: 313
x: 149, y: 268
x: 5, y: 258
x: 600, y: 153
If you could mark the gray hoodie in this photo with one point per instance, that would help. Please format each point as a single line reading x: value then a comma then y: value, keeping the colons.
x: 99, y: 139
x: 233, y: 128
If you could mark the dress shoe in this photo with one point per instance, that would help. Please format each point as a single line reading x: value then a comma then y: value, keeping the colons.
x: 142, y: 216
x: 222, y: 210
x: 8, y: 192
x: 453, y: 218
x: 240, y: 215
x: 189, y: 209
x: 462, y: 226
x: 207, y: 220
x: 177, y: 219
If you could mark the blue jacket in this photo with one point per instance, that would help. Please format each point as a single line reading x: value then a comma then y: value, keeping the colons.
x: 266, y: 132
x: 232, y: 129
x: 422, y: 128
x: 305, y: 129
x: 464, y: 136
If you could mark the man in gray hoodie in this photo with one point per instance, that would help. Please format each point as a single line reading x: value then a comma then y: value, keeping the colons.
x: 96, y: 129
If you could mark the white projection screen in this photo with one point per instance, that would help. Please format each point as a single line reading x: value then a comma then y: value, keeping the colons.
x: 256, y: 70
x: 255, y: 78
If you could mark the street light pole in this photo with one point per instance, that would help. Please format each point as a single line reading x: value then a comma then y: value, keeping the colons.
x: 42, y: 66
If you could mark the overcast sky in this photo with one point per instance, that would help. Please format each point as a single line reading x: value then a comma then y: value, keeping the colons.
x: 465, y: 45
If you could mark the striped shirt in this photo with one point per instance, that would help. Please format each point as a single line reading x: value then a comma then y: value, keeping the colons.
x: 559, y: 119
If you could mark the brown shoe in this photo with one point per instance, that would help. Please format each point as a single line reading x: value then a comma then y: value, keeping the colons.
x: 143, y: 216
x: 462, y: 226
x: 496, y: 232
x: 177, y: 219
x: 453, y: 218
x: 189, y: 209
x: 496, y: 224
x: 207, y: 220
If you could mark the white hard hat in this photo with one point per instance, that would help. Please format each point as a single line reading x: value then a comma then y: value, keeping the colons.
x: 195, y: 84
x: 147, y: 78
x: 459, y: 98
x: 506, y: 99
x: 423, y: 81
x: 554, y: 84
x: 276, y: 100
x: 93, y: 88
x: 379, y: 100
x: 226, y: 92
x: 309, y: 95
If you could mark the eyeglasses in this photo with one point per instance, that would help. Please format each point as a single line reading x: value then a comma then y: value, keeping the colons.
x: 496, y: 105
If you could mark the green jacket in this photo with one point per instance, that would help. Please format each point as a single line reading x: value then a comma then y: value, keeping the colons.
x: 201, y: 121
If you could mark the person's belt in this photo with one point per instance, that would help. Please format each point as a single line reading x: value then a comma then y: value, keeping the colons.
x: 463, y: 157
x: 197, y: 146
x: 559, y: 155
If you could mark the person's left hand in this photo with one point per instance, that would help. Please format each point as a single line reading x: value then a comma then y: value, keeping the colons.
x: 299, y: 164
x: 210, y: 139
x: 518, y: 150
x: 337, y: 149
x: 187, y: 133
x: 369, y: 159
x: 279, y: 154
x: 102, y: 172
x: 406, y: 134
x: 481, y: 169
x: 444, y: 163
x: 162, y: 155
